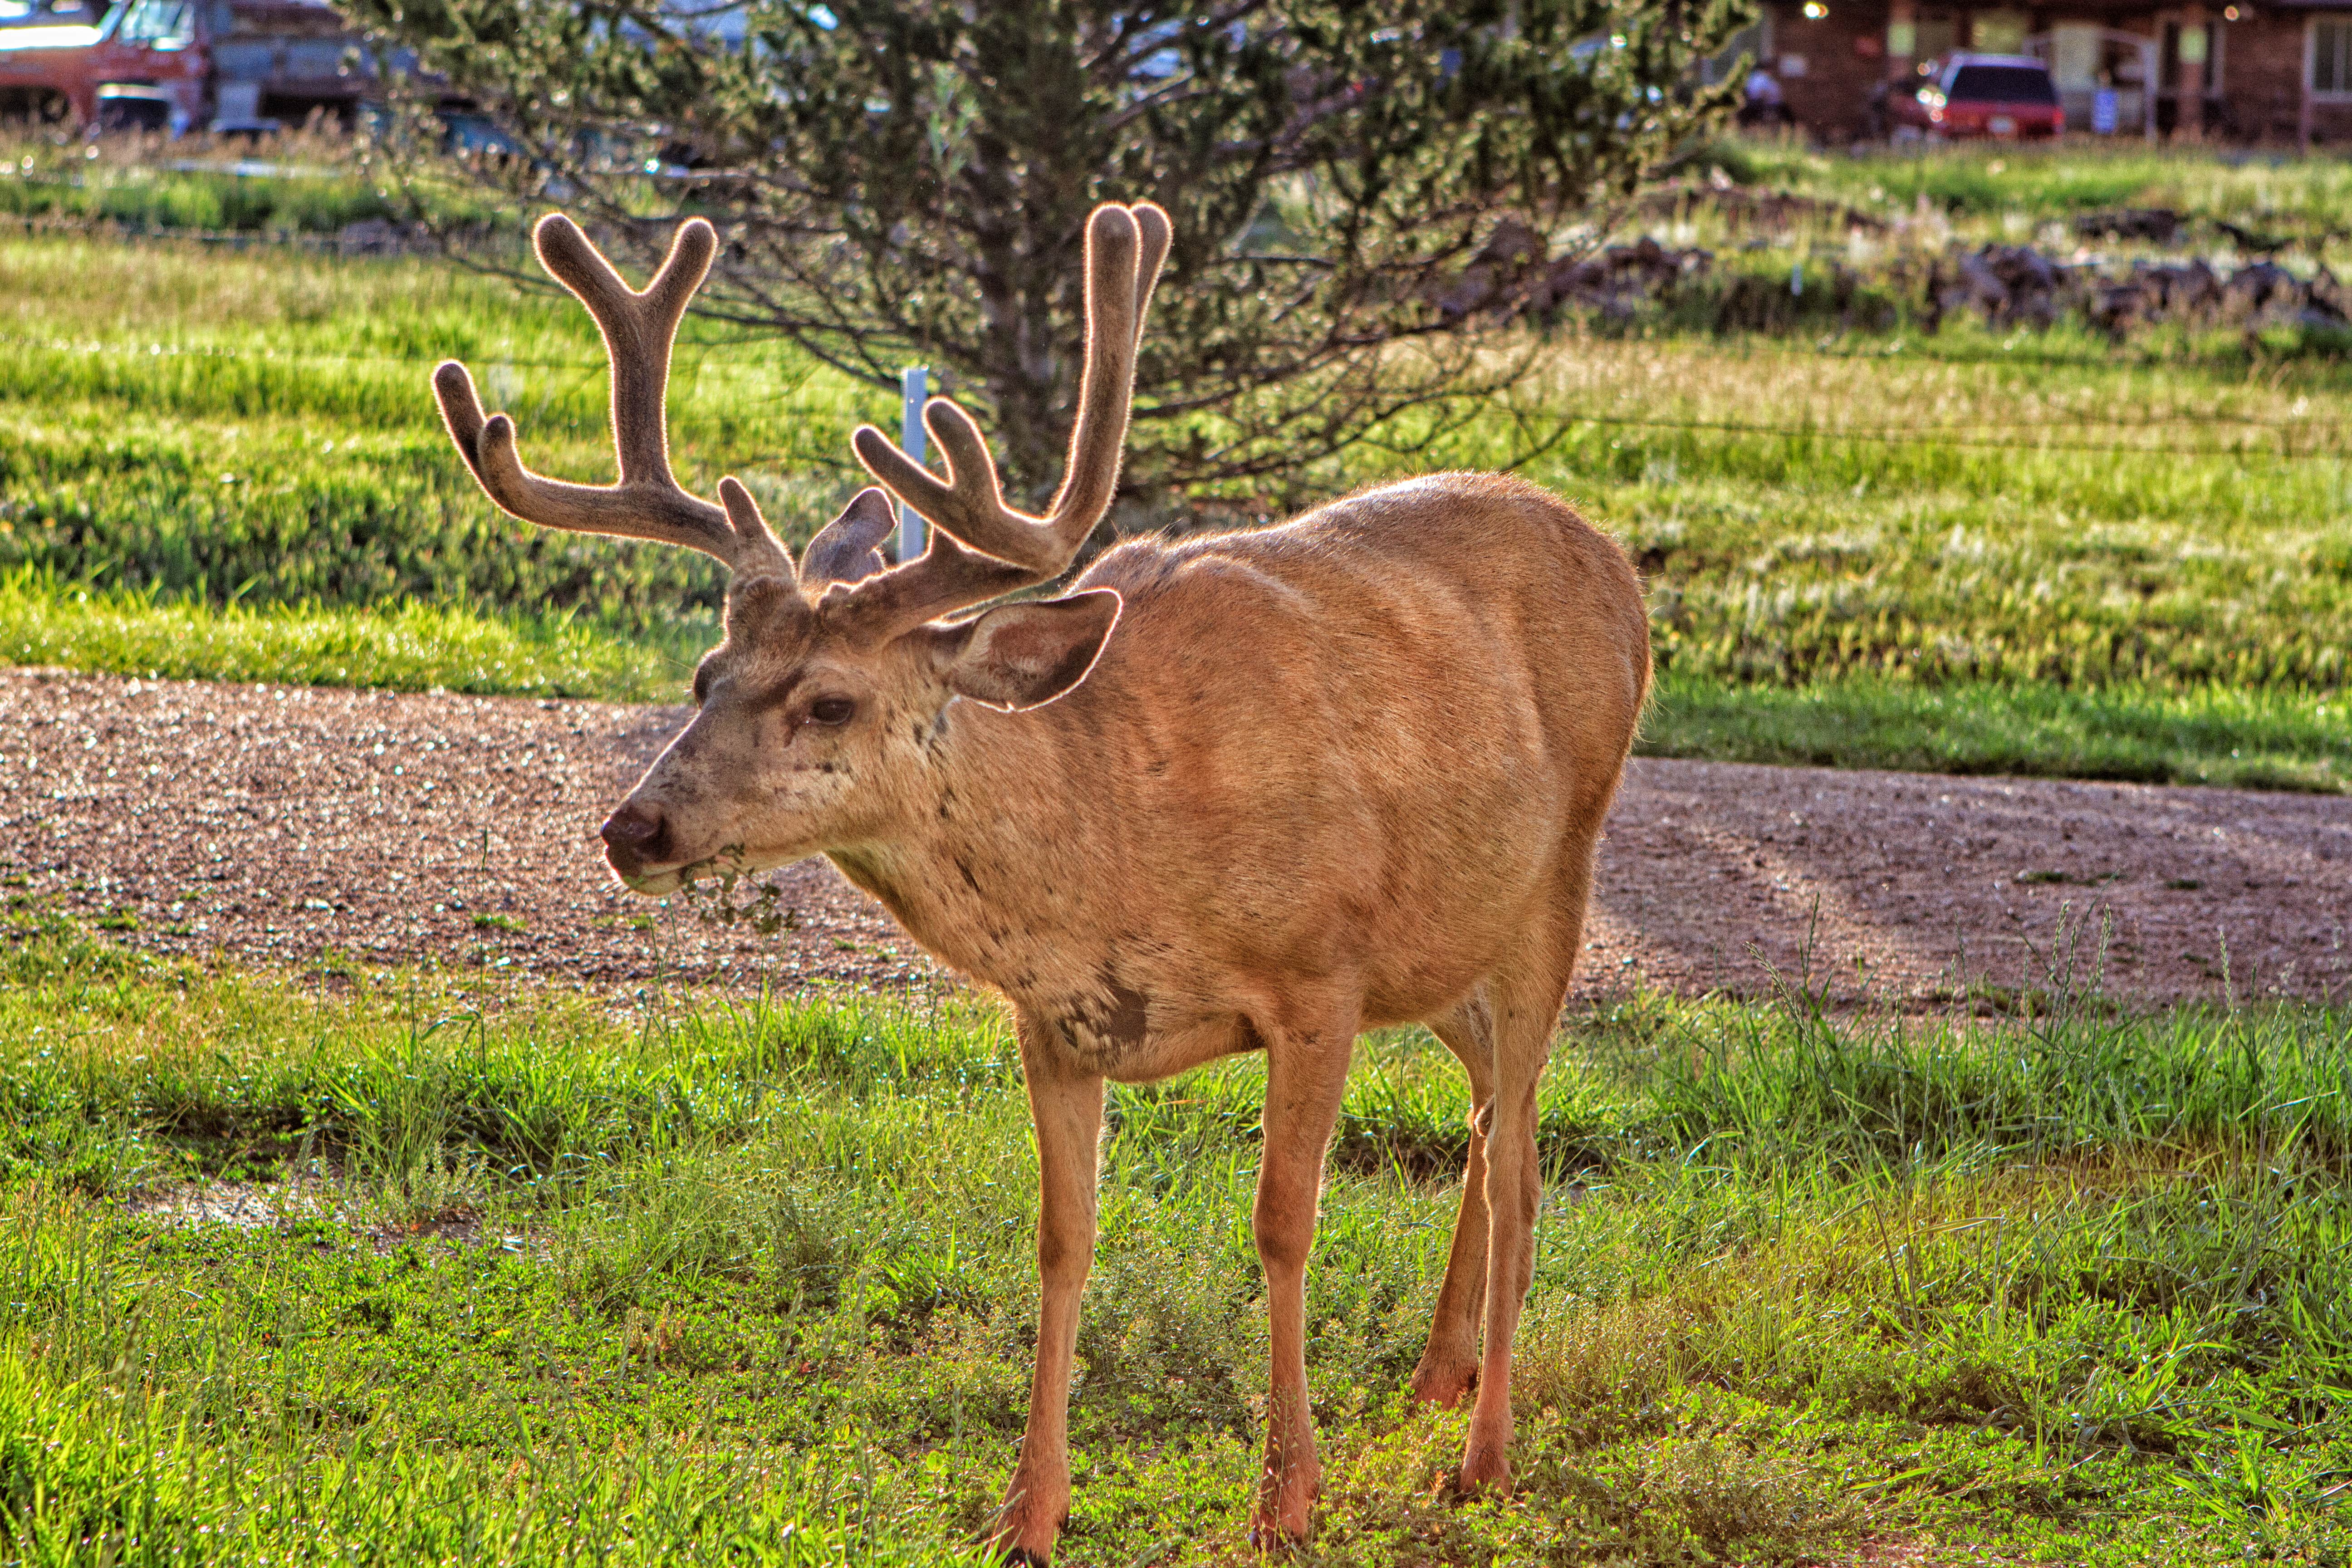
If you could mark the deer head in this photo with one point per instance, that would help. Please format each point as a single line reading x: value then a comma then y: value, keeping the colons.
x: 833, y: 678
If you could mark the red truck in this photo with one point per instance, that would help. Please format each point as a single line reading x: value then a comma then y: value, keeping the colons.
x: 182, y: 64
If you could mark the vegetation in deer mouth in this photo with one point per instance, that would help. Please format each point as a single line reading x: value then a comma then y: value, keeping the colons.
x: 430, y: 1265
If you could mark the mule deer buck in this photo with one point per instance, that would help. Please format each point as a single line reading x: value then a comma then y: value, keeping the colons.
x: 1253, y: 792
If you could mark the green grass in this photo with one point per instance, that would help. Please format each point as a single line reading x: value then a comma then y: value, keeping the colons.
x: 1982, y: 182
x: 2217, y: 734
x: 299, y: 187
x: 673, y: 1281
x: 257, y: 425
x: 118, y: 182
x: 408, y: 647
x: 2034, y: 552
x: 2005, y: 508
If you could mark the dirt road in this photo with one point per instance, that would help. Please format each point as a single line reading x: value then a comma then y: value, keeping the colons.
x: 277, y: 824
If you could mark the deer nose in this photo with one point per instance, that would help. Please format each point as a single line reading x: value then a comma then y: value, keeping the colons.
x: 632, y: 830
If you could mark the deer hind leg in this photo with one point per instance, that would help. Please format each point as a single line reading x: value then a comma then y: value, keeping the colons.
x: 1449, y: 1362
x: 1307, y: 1073
x: 1066, y: 1107
x: 1526, y: 995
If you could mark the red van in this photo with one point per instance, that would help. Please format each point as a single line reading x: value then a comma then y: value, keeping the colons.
x: 1985, y: 95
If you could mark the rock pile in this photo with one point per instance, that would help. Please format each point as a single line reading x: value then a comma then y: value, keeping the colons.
x: 1512, y: 275
x: 1744, y: 209
x: 2156, y: 225
x: 2021, y: 285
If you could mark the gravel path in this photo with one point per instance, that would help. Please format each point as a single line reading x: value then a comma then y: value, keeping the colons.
x: 277, y: 823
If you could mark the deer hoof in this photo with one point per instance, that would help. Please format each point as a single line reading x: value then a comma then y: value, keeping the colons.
x: 1485, y: 1472
x: 1444, y: 1389
x: 1025, y: 1531
x: 1283, y: 1516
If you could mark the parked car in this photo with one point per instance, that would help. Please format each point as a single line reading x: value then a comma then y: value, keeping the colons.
x: 177, y: 64
x: 1983, y: 95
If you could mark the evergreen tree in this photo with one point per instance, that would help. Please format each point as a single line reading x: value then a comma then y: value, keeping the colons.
x: 1355, y: 185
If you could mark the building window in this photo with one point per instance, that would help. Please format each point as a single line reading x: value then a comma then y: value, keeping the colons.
x: 1998, y: 32
x: 2330, y: 58
x: 2190, y: 47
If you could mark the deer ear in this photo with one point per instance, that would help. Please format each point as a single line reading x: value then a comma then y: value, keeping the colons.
x: 848, y: 550
x: 1025, y: 656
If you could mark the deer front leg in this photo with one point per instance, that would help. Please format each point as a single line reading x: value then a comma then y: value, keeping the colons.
x: 1067, y: 1108
x: 1306, y: 1075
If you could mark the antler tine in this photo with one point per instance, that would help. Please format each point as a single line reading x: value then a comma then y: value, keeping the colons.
x: 1125, y: 249
x: 638, y: 330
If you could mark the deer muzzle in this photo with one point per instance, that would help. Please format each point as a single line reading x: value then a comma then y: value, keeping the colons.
x: 636, y: 836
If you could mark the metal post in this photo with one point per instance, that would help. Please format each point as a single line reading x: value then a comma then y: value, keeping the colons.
x: 913, y: 386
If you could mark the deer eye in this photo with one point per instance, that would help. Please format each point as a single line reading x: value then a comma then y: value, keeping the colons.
x: 832, y: 710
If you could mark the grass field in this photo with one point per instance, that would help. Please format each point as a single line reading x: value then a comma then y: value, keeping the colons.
x: 352, y: 1266
x: 1987, y: 189
x: 314, y: 185
x: 524, y: 1276
x: 1985, y: 551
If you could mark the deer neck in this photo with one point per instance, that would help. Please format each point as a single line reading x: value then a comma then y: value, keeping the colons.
x: 990, y: 867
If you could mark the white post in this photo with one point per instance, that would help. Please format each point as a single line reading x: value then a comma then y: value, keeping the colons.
x: 913, y: 386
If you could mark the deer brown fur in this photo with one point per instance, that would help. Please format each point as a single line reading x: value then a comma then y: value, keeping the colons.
x: 1257, y: 791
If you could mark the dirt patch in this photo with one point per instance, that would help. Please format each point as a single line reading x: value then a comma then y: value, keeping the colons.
x: 1926, y: 889
x: 239, y: 1206
x: 283, y: 823
x: 284, y: 1203
x: 277, y: 824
